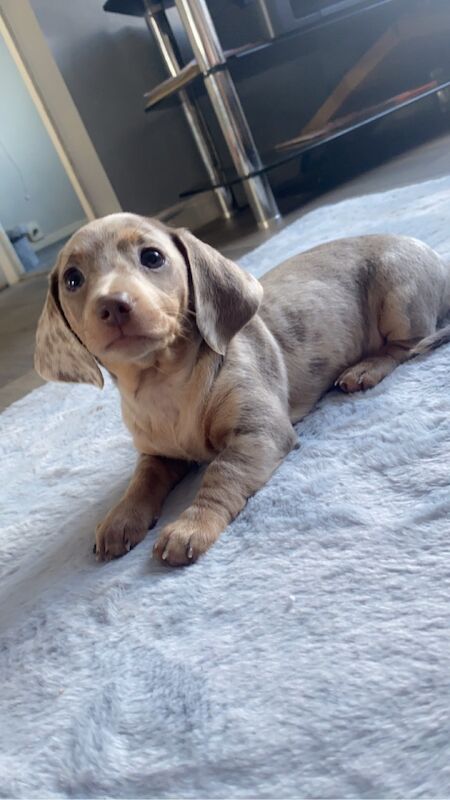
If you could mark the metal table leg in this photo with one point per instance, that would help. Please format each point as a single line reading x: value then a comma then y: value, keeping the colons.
x: 158, y: 27
x: 225, y: 101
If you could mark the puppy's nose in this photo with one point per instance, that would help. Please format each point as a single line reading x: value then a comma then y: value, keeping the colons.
x: 114, y: 309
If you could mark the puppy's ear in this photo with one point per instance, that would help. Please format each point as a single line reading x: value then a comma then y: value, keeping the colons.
x: 225, y: 296
x: 59, y: 355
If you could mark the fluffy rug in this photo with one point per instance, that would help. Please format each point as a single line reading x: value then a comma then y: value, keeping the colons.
x: 306, y: 655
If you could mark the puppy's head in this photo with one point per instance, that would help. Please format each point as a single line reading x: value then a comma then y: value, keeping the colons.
x: 124, y: 289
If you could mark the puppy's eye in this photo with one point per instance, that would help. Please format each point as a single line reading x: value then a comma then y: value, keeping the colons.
x: 73, y: 279
x: 151, y: 258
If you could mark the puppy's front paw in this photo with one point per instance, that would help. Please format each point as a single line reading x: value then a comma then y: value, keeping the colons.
x: 122, y: 529
x: 183, y: 541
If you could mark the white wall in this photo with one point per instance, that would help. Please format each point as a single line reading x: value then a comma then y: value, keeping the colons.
x: 33, y: 184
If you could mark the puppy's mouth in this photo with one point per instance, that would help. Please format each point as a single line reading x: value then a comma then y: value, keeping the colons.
x: 135, y: 343
x: 124, y: 340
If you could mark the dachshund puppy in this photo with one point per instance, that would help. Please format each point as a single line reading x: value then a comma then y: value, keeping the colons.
x: 214, y: 366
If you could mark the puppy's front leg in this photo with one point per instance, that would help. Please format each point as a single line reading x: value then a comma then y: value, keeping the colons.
x: 234, y: 475
x: 128, y: 522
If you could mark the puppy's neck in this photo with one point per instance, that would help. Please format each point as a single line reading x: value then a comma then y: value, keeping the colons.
x: 174, y: 364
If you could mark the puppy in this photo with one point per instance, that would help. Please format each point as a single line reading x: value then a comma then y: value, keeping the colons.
x: 214, y: 366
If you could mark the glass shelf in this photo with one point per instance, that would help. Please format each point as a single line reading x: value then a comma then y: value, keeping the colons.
x: 283, y: 154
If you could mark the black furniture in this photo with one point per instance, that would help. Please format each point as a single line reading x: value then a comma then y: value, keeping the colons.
x: 280, y: 32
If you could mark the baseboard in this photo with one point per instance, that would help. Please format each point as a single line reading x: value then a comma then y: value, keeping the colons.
x: 56, y: 236
x: 192, y: 213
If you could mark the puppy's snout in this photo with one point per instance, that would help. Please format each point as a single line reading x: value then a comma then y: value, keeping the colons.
x: 114, y: 309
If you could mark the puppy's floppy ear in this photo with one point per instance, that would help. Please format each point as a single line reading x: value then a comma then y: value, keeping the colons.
x: 59, y: 355
x: 225, y: 296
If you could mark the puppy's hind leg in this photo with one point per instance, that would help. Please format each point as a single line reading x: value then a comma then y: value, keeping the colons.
x: 367, y: 373
x: 402, y: 324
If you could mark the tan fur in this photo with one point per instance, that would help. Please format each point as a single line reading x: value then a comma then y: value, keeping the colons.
x: 210, y: 370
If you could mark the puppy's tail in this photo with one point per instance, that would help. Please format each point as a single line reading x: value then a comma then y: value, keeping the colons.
x: 430, y: 343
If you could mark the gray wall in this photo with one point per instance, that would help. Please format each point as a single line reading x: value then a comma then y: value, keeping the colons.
x: 33, y: 183
x: 108, y: 61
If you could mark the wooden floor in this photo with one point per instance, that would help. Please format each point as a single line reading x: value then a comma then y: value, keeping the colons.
x: 21, y: 305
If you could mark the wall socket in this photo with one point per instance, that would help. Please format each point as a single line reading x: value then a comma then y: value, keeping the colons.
x: 34, y: 231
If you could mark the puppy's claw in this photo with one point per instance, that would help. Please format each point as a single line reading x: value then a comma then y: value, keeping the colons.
x: 190, y: 552
x: 94, y: 549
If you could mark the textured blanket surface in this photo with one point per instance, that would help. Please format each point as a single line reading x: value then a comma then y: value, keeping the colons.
x: 306, y: 655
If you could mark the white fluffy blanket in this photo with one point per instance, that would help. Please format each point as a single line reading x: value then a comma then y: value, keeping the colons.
x: 306, y: 655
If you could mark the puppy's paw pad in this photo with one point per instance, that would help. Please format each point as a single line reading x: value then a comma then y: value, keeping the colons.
x: 179, y: 545
x: 117, y: 535
x: 356, y: 379
x: 349, y: 384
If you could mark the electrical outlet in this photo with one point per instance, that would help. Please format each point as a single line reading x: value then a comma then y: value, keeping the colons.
x: 34, y: 231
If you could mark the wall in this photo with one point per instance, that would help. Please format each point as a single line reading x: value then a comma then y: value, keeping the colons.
x: 29, y: 166
x: 108, y: 62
